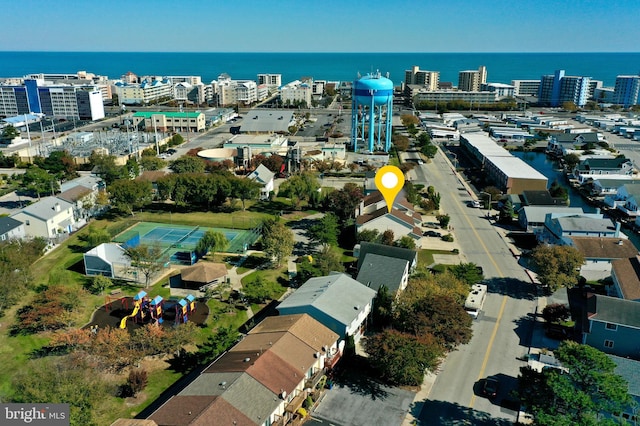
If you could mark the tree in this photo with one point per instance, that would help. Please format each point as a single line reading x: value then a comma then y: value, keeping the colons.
x: 410, y: 192
x: 408, y: 119
x: 217, y: 344
x: 571, y: 161
x: 137, y: 380
x: 99, y: 283
x: 39, y: 181
x: 401, y: 142
x: 569, y: 106
x: 9, y: 132
x: 383, y: 308
x: 211, y: 241
x: 580, y: 394
x: 343, y: 202
x: 429, y: 150
x: 106, y: 167
x: 438, y: 314
x: 401, y: 358
x: 443, y: 220
x: 61, y: 381
x: 407, y: 242
x: 556, y: 312
x: 325, y: 231
x: 299, y: 188
x: 188, y: 164
x: 245, y: 189
x: 557, y: 266
x: 558, y: 191
x: 387, y: 238
x: 96, y: 236
x: 277, y: 240
x: 146, y: 259
x: 368, y: 235
x: 328, y: 260
x: 129, y: 195
x: 467, y: 272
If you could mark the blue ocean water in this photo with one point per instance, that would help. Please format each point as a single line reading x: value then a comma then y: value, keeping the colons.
x: 501, y: 67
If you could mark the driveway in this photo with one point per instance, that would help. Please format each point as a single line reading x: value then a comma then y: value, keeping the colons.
x: 353, y: 404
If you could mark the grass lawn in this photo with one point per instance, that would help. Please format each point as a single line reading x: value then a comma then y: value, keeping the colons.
x: 62, y: 266
x: 425, y: 256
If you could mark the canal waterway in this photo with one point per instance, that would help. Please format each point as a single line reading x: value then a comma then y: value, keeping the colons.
x: 549, y: 168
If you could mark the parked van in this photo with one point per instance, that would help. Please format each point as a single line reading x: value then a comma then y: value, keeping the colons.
x: 475, y: 300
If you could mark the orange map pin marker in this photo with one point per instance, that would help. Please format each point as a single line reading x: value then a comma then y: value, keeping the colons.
x: 389, y: 181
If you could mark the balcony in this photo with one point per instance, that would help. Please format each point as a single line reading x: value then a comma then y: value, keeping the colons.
x: 296, y: 403
x: 313, y: 381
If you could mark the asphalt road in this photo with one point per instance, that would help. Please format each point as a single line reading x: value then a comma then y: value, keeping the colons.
x: 502, y: 331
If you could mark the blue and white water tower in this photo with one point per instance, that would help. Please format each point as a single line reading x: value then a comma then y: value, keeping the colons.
x: 371, y: 112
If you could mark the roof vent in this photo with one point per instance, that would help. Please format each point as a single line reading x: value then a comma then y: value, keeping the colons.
x: 357, y: 307
x: 620, y: 243
x: 247, y: 359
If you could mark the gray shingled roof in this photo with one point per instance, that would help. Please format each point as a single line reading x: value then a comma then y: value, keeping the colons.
x: 616, y: 311
x: 337, y: 296
x: 8, y: 224
x: 585, y: 224
x: 385, y: 250
x: 377, y: 270
x: 629, y: 369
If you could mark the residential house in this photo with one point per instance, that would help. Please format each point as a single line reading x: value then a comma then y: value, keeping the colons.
x: 561, y: 144
x: 337, y: 301
x: 11, y: 228
x: 263, y: 380
x: 612, y: 325
x: 49, y: 218
x: 600, y: 253
x: 372, y: 213
x: 625, y: 200
x: 592, y: 168
x: 608, y: 188
x: 629, y: 370
x: 559, y: 227
x: 361, y: 250
x: 376, y: 271
x: 625, y: 274
x: 532, y: 218
x: 83, y: 192
x: 264, y: 177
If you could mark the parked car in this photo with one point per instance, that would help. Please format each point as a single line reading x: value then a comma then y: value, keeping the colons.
x: 432, y: 225
x: 432, y: 234
x: 490, y: 387
x: 475, y: 204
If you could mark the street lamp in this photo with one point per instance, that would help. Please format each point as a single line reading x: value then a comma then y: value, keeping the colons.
x: 455, y: 158
x: 489, y: 206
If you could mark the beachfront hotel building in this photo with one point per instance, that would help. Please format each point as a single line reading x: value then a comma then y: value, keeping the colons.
x: 234, y: 92
x: 557, y: 88
x: 525, y: 87
x: 627, y: 90
x: 273, y: 81
x: 472, y: 80
x: 76, y: 102
x: 426, y: 79
x: 421, y: 95
x: 501, y: 90
x: 296, y: 93
x: 145, y: 92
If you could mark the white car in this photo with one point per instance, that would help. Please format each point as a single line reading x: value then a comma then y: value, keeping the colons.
x: 475, y: 204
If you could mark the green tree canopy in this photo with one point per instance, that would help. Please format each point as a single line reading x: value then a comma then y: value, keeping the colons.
x: 211, y: 241
x: 129, y: 195
x: 579, y: 395
x: 245, y: 189
x: 277, y: 240
x: 39, y: 181
x: 188, y: 164
x: 146, y: 259
x: 467, y: 272
x: 557, y: 266
x: 325, y: 231
x: 402, y: 358
x: 343, y: 202
x: 299, y: 188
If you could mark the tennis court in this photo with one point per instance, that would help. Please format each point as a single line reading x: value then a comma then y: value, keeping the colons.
x: 183, y: 238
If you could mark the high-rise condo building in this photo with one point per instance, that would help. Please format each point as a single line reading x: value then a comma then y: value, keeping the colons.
x: 558, y: 88
x: 428, y: 79
x: 627, y: 90
x: 472, y: 80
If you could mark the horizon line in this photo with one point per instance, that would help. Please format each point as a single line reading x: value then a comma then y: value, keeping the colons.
x: 319, y: 52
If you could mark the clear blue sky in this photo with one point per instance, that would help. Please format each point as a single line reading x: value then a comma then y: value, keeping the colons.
x: 322, y: 26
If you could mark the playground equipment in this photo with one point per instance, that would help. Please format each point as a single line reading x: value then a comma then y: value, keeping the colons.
x: 184, y: 307
x: 155, y: 309
x: 108, y: 300
x: 140, y: 304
